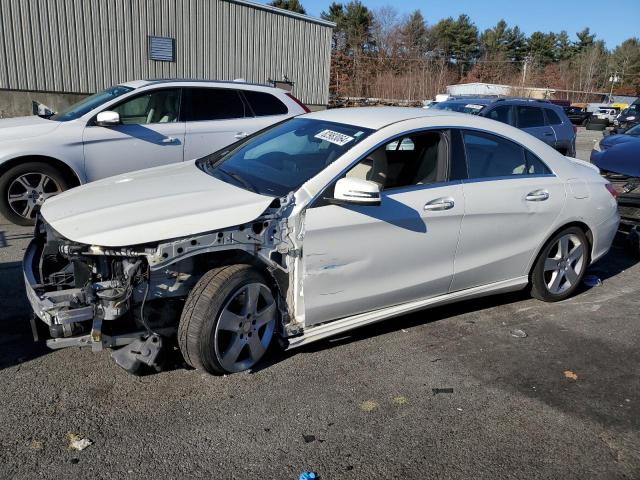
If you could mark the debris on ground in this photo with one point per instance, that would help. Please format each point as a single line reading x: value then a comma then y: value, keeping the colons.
x: 36, y: 445
x: 570, y: 375
x: 591, y: 281
x: 436, y: 391
x: 309, y: 438
x: 400, y: 400
x: 308, y: 476
x: 517, y: 333
x: 76, y: 442
x: 368, y: 405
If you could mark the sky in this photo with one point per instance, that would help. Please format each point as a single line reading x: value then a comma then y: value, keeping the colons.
x: 612, y: 21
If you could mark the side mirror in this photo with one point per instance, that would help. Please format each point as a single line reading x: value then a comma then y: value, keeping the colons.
x: 108, y: 119
x: 355, y: 191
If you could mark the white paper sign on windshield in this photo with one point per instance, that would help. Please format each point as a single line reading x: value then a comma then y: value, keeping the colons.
x: 336, y: 138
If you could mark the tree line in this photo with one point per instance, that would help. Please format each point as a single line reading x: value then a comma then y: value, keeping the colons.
x: 381, y: 53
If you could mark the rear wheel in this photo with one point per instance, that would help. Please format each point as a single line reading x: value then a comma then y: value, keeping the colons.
x: 560, y: 266
x: 25, y: 187
x: 228, y: 321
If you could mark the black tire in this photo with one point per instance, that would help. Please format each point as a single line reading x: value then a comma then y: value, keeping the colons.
x: 596, y: 126
x: 585, y: 122
x: 14, y: 173
x: 197, y: 329
x: 539, y: 277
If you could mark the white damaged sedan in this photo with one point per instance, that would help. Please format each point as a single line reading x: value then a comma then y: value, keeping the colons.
x: 315, y: 226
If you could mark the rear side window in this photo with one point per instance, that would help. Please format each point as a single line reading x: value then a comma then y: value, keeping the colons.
x: 530, y: 117
x: 553, y: 117
x: 503, y: 113
x: 492, y: 156
x: 213, y: 104
x: 264, y: 104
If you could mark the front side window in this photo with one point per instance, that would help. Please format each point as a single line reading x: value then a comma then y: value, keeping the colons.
x: 502, y: 113
x: 213, y: 104
x: 529, y: 117
x: 416, y: 159
x: 159, y: 106
x: 490, y: 156
x: 94, y: 101
x: 281, y: 158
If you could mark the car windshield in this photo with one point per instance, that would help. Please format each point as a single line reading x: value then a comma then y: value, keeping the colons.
x: 86, y: 105
x: 280, y: 159
x: 462, y: 107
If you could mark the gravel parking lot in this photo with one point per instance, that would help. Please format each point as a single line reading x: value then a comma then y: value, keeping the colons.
x: 445, y: 393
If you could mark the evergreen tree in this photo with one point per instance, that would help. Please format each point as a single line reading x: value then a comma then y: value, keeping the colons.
x: 292, y: 5
x: 414, y: 34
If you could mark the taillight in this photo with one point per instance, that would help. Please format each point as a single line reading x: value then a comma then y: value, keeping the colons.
x: 575, y: 129
x: 302, y: 105
x: 612, y: 190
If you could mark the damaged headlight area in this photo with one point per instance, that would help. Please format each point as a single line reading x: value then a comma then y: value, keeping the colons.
x: 103, y: 297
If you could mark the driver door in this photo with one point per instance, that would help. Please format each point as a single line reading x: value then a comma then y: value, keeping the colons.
x: 150, y: 134
x: 362, y: 258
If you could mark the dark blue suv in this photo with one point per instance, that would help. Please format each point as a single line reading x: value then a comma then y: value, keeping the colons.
x: 540, y: 118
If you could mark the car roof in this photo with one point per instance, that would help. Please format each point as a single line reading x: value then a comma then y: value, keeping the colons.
x: 509, y: 100
x: 376, y: 118
x: 183, y: 82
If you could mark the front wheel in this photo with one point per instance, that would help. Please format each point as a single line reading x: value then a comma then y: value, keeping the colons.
x: 560, y: 266
x: 228, y: 321
x: 25, y: 187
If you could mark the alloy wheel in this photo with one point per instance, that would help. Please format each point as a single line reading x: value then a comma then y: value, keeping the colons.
x: 245, y: 327
x: 564, y: 264
x: 28, y: 192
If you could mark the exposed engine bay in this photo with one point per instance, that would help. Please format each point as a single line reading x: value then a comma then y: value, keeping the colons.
x: 88, y: 295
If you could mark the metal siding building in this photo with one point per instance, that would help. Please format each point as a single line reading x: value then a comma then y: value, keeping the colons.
x: 82, y: 46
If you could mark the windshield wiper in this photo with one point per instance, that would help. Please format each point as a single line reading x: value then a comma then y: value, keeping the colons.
x: 240, y: 179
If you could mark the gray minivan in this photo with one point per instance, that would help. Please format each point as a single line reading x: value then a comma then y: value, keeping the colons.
x: 540, y: 118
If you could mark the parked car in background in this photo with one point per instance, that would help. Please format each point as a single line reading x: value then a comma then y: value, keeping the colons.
x: 540, y: 118
x: 606, y: 114
x: 627, y: 118
x: 618, y: 157
x: 318, y: 225
x: 578, y: 115
x: 128, y: 127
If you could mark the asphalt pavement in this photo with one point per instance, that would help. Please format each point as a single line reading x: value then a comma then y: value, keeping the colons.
x: 456, y: 392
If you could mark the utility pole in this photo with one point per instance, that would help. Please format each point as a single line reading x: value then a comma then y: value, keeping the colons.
x: 525, y: 67
x: 613, y: 79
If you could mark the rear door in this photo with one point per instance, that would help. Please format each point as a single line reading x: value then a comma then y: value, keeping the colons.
x: 217, y: 117
x: 511, y: 201
x: 531, y: 119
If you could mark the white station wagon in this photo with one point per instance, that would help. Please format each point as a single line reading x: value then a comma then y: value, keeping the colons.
x: 315, y: 226
x: 128, y: 127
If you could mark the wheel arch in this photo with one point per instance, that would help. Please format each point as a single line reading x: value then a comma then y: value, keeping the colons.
x: 576, y: 223
x: 69, y: 173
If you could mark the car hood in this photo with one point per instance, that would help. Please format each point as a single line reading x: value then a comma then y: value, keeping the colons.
x: 151, y: 205
x: 611, y: 140
x: 25, y: 127
x: 623, y: 158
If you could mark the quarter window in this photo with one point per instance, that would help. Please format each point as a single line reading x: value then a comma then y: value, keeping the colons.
x: 264, y: 104
x: 160, y: 106
x: 213, y: 104
x: 492, y: 156
x: 530, y: 117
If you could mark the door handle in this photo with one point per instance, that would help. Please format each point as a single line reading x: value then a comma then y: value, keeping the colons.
x: 440, y: 204
x: 169, y: 140
x: 548, y: 134
x: 537, y: 196
x: 240, y: 135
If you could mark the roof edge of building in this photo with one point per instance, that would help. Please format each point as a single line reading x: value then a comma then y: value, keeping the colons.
x: 281, y: 11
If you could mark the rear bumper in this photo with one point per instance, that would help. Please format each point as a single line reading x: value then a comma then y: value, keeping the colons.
x: 603, y: 236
